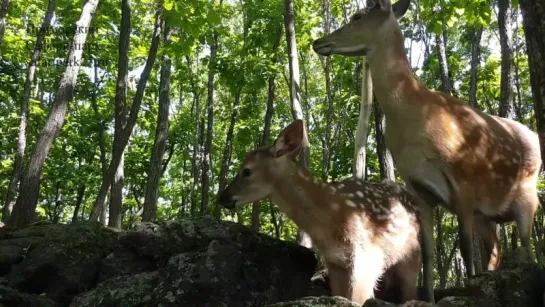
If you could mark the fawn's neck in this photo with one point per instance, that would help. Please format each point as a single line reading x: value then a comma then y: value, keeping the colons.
x: 302, y: 198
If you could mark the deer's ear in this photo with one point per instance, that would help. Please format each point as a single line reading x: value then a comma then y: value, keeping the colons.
x: 400, y: 8
x: 290, y: 139
x: 384, y: 5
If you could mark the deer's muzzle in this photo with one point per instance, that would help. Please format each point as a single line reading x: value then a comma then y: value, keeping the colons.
x: 227, y: 200
x: 322, y: 47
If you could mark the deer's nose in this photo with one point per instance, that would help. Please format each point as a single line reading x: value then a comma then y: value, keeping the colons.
x: 226, y: 200
x: 322, y: 47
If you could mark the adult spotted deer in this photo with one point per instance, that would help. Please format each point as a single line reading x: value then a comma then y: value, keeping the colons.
x: 481, y: 167
x: 360, y: 229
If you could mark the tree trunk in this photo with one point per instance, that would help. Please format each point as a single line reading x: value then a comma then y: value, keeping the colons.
x: 4, y: 6
x: 505, y: 21
x: 25, y: 207
x: 256, y: 208
x: 25, y: 98
x: 207, y: 160
x: 295, y: 96
x: 116, y: 194
x: 360, y: 146
x: 131, y: 121
x: 475, y: 35
x: 516, y: 51
x: 79, y: 201
x: 226, y: 158
x: 385, y: 161
x: 507, y: 109
x: 326, y: 141
x: 446, y: 85
x: 196, y: 145
x: 161, y: 134
x: 534, y: 30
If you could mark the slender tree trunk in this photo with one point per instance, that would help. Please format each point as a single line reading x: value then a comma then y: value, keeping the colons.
x: 25, y: 98
x: 360, y: 146
x: 506, y: 89
x: 56, y: 203
x: 79, y: 201
x: 385, y: 161
x: 534, y: 30
x: 516, y: 48
x: 4, y: 6
x: 295, y: 96
x: 476, y: 35
x: 80, y: 193
x: 196, y: 145
x: 505, y: 21
x: 207, y: 160
x: 326, y: 142
x: 131, y: 121
x: 226, y: 158
x: 25, y: 207
x: 116, y: 194
x: 440, y: 252
x: 256, y: 209
x: 101, y: 139
x: 446, y: 85
x: 161, y: 135
x: 101, y: 125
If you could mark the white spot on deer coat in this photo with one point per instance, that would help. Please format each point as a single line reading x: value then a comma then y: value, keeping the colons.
x: 350, y: 203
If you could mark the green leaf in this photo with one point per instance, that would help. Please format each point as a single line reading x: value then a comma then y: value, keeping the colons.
x: 168, y: 4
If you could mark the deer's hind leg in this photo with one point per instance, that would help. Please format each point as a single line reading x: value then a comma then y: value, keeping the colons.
x: 358, y: 279
x: 407, y: 272
x: 398, y: 283
x: 525, y: 210
x: 488, y: 232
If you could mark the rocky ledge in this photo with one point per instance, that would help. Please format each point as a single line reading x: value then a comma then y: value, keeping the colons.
x: 201, y: 262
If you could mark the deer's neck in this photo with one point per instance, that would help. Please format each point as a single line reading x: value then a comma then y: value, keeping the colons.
x: 393, y: 80
x: 302, y: 198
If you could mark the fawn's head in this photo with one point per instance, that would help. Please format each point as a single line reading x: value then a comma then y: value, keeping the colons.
x: 363, y: 32
x: 254, y: 180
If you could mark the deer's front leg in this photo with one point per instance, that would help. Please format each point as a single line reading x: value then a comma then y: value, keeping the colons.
x: 427, y: 245
x: 339, y: 280
x: 465, y: 229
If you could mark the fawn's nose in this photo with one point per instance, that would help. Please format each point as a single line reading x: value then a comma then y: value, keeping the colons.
x: 226, y: 200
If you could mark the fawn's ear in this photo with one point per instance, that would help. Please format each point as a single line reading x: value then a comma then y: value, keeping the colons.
x: 290, y: 139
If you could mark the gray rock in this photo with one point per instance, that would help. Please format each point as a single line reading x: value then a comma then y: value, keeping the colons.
x: 137, y: 290
x: 12, y: 298
x: 208, y: 263
x: 322, y: 301
x: 65, y: 262
x: 203, y: 262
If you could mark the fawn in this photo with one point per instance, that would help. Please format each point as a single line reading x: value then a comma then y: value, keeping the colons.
x: 360, y: 229
x: 482, y: 168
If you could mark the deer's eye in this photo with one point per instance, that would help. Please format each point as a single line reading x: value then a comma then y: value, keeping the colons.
x: 246, y: 172
x: 356, y: 16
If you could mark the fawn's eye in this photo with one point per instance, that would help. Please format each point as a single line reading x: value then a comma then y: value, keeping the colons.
x: 246, y: 172
x: 356, y: 16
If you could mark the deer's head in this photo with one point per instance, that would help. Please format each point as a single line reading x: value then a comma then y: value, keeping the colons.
x: 256, y: 177
x: 364, y: 30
